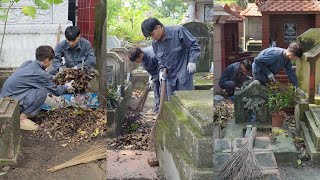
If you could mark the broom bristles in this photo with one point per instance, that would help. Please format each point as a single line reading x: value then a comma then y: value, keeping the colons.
x: 94, y: 153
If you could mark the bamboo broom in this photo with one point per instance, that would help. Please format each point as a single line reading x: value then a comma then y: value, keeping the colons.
x: 96, y: 152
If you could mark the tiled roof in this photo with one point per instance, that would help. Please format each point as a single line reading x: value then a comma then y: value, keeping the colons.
x: 290, y: 6
x: 251, y: 10
x: 234, y: 16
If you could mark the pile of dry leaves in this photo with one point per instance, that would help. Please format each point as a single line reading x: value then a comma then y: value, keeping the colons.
x: 223, y: 111
x: 207, y: 77
x: 136, y: 94
x: 72, y: 124
x: 135, y: 133
x: 80, y: 77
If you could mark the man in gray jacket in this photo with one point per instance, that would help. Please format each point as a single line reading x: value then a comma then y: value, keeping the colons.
x: 271, y: 60
x: 150, y: 63
x: 30, y: 84
x: 176, y: 50
x: 77, y: 52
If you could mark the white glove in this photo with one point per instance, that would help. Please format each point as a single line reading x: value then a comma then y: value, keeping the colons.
x: 75, y: 67
x: 250, y: 78
x: 69, y: 85
x: 161, y: 76
x: 191, y: 68
x: 271, y: 77
x: 150, y: 83
x: 300, y: 92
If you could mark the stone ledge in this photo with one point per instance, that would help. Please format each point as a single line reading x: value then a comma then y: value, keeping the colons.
x: 315, y: 155
x: 315, y: 132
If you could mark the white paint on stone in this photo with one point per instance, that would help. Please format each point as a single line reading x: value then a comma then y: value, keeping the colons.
x: 24, y: 34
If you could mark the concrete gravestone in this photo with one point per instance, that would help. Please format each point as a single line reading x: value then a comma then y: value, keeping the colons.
x: 123, y: 53
x: 201, y: 33
x: 9, y: 130
x: 115, y: 70
x: 251, y: 104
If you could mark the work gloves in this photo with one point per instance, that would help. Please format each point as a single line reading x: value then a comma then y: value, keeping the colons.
x: 162, y: 76
x: 191, y: 68
x: 69, y: 85
x: 301, y: 92
x: 271, y: 77
x: 150, y: 82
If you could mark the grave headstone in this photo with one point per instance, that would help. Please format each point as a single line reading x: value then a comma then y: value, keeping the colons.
x: 201, y: 32
x: 123, y: 53
x: 113, y: 42
x: 115, y: 70
x: 251, y: 104
x: 9, y: 129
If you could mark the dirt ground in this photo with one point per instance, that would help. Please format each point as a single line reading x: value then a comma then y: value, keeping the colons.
x: 39, y: 155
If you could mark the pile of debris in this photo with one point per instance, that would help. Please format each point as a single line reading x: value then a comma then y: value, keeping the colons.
x: 72, y: 124
x: 136, y: 94
x: 223, y: 111
x: 135, y: 133
x: 80, y: 77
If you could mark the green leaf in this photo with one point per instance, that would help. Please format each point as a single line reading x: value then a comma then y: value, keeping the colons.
x: 57, y: 1
x: 299, y: 162
x: 16, y: 1
x: 29, y: 11
x: 41, y: 4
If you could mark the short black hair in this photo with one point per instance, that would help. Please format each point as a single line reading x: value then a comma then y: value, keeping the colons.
x: 72, y: 32
x: 296, y: 49
x: 247, y: 64
x: 44, y: 52
x: 134, y: 53
x: 149, y: 25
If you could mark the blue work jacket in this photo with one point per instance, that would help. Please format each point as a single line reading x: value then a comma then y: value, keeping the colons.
x: 175, y: 52
x: 73, y: 56
x: 150, y: 62
x: 28, y: 78
x: 272, y: 60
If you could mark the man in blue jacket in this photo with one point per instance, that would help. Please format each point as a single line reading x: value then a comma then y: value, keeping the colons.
x: 30, y: 84
x: 175, y: 49
x: 147, y: 57
x: 234, y: 75
x: 271, y: 60
x: 77, y: 52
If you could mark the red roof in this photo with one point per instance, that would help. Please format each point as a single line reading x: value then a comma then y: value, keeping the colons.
x: 290, y: 6
x: 234, y: 16
x: 251, y: 10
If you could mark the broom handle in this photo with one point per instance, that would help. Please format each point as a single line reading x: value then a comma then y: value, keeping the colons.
x: 163, y: 93
x: 252, y: 137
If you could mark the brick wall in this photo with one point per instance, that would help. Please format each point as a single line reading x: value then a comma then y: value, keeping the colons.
x: 231, y: 47
x: 265, y: 31
x: 86, y: 13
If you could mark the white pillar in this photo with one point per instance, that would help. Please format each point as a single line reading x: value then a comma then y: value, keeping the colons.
x: 191, y: 10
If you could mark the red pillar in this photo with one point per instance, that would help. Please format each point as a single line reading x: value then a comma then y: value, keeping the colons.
x: 265, y: 30
x: 86, y: 17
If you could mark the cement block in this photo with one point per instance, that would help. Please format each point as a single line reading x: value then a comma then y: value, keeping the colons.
x: 10, y: 134
x: 266, y: 160
x: 314, y: 130
x: 284, y: 150
x: 271, y: 174
x: 314, y: 154
x: 260, y: 144
x: 219, y: 159
x: 299, y: 113
x: 139, y: 79
x: 222, y: 146
x: 315, y: 112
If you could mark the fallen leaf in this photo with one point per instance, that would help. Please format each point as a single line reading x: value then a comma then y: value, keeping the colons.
x: 299, y: 162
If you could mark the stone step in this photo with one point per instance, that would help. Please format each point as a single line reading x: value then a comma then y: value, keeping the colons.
x: 196, y: 146
x: 314, y: 154
x: 10, y: 130
x: 197, y: 108
x: 314, y: 130
x: 315, y: 112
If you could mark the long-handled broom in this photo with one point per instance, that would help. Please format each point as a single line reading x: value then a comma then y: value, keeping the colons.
x: 142, y: 99
x: 243, y: 165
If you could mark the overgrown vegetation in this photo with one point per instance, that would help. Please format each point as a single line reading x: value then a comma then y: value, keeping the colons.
x: 125, y: 16
x: 278, y: 99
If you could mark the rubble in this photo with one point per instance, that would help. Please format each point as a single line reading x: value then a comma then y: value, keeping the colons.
x: 72, y: 125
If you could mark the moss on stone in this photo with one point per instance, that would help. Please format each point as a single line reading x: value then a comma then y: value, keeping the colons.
x: 309, y: 38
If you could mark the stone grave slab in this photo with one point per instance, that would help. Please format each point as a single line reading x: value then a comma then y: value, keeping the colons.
x: 251, y: 105
x: 9, y: 130
x: 115, y: 70
x: 123, y: 54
